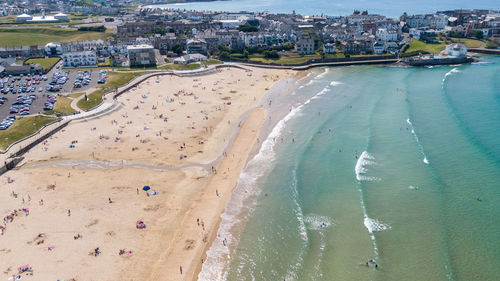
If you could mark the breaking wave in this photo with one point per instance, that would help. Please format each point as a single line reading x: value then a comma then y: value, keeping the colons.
x: 417, y: 140
x: 360, y: 169
x: 218, y: 256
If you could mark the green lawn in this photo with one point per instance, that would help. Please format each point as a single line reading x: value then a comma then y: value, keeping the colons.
x: 211, y: 61
x: 470, y: 43
x: 41, y: 36
x: 94, y: 99
x: 172, y: 66
x: 46, y: 63
x: 23, y: 128
x: 62, y: 107
x: 115, y: 80
x: 417, y: 46
x: 294, y: 58
x: 75, y: 95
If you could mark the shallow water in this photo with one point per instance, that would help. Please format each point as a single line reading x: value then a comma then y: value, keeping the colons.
x: 379, y: 162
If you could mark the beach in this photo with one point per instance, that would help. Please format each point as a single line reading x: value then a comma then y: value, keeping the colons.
x: 77, y: 199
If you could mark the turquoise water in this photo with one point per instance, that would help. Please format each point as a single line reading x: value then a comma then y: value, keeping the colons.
x: 379, y: 162
x: 390, y: 8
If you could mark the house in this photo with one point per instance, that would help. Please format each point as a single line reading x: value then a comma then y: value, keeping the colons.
x: 79, y: 59
x: 355, y: 47
x: 141, y: 55
x: 329, y: 48
x: 196, y: 46
x: 53, y: 49
x: 379, y: 47
x: 415, y: 33
x: 305, y: 45
x: 456, y: 50
x: 120, y: 60
x: 11, y: 67
x: 190, y: 58
x: 386, y: 34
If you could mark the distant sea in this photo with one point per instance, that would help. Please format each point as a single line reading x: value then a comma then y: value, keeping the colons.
x: 395, y: 166
x: 389, y: 8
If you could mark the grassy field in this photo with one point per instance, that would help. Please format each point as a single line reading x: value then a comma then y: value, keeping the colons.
x: 294, y: 58
x: 417, y: 46
x: 75, y: 95
x: 46, y: 63
x: 470, y: 43
x: 94, y: 99
x: 23, y: 128
x: 115, y: 80
x: 62, y: 107
x: 41, y: 36
x: 211, y: 61
x: 172, y: 66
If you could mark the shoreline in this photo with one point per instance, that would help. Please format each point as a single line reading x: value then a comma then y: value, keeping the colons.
x: 187, y: 188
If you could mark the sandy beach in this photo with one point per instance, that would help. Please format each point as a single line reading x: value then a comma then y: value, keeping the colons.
x: 188, y: 138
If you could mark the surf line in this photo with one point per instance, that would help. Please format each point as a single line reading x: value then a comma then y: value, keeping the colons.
x: 218, y: 257
x: 372, y: 225
x: 412, y: 129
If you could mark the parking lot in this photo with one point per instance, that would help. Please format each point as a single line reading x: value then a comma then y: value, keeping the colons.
x: 24, y: 95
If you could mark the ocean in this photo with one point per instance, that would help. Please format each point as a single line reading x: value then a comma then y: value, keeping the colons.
x: 398, y: 167
x: 389, y: 8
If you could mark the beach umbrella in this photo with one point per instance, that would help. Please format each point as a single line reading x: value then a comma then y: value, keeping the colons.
x: 146, y: 188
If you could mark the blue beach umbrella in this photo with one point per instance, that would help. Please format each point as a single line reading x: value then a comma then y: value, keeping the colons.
x: 146, y: 188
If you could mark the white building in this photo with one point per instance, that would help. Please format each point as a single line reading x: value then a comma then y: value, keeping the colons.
x: 415, y: 33
x: 305, y: 45
x: 230, y: 24
x: 186, y: 59
x: 379, y: 47
x: 329, y: 48
x: 456, y: 50
x: 80, y: 59
x: 387, y: 34
x: 25, y: 18
x: 53, y: 49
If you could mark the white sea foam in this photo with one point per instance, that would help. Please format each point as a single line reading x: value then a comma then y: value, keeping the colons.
x: 360, y: 169
x: 323, y: 74
x: 335, y: 83
x: 413, y: 187
x: 454, y: 70
x: 298, y: 209
x: 218, y: 256
x: 318, y: 222
x: 417, y: 140
x: 374, y: 225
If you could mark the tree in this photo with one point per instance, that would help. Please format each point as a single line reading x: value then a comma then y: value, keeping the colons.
x: 478, y: 34
x: 271, y: 54
x: 159, y: 30
x: 248, y: 28
x: 223, y: 48
x: 224, y: 55
x: 177, y: 48
x: 322, y: 53
x: 288, y: 46
x: 245, y: 54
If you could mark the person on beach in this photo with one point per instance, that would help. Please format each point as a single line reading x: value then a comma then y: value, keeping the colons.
x: 180, y: 268
x: 69, y: 212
